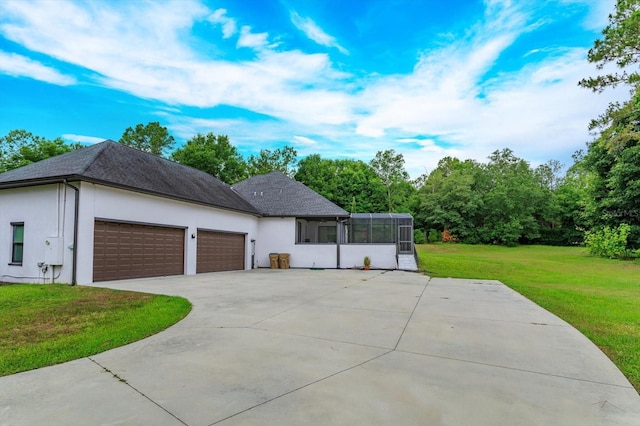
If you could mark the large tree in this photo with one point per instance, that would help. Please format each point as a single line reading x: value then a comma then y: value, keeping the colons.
x: 614, y: 157
x: 514, y: 200
x: 614, y: 161
x: 450, y: 199
x: 267, y: 161
x: 152, y: 138
x: 351, y: 184
x: 389, y: 166
x: 19, y: 148
x: 620, y: 44
x: 214, y: 155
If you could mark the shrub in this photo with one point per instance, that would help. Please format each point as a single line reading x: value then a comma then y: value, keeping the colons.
x: 608, y: 242
x: 434, y: 236
x: 418, y: 236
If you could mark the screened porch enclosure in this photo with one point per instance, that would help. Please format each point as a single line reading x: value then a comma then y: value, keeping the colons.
x: 381, y: 228
x: 360, y: 228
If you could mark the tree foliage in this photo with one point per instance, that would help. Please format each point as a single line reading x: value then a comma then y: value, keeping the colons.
x: 565, y: 219
x: 389, y: 166
x: 19, y: 148
x: 450, y: 199
x: 351, y: 184
x: 267, y: 161
x: 152, y: 138
x: 620, y: 44
x: 214, y: 155
x: 608, y: 242
x: 504, y: 201
x: 613, y: 159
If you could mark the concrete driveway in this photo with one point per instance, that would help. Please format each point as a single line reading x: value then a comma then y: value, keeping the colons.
x: 331, y: 347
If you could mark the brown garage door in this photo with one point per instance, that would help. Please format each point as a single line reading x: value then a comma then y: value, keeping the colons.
x: 126, y: 250
x: 219, y: 251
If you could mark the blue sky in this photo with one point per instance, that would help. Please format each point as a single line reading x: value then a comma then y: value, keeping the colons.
x: 344, y: 79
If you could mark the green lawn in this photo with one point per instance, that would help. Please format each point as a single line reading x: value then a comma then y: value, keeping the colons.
x: 43, y: 325
x: 600, y: 297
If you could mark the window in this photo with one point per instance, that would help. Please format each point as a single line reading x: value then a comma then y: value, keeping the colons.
x: 18, y: 243
x: 313, y: 230
x: 326, y: 234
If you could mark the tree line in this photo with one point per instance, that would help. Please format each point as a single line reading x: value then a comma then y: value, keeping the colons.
x: 502, y: 201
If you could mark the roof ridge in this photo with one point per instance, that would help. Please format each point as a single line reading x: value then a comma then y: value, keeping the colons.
x: 102, y: 146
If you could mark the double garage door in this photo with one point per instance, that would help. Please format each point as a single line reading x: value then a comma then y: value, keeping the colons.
x: 128, y: 250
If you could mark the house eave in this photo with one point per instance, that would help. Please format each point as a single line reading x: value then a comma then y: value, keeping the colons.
x: 306, y: 215
x: 39, y: 181
x: 76, y: 178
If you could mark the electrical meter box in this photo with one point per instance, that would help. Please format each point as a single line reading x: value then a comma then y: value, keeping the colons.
x: 53, y: 251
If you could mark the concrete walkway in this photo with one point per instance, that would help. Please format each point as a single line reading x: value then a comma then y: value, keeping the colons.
x: 301, y: 347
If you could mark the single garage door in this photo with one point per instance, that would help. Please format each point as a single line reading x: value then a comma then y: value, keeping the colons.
x: 126, y: 250
x: 220, y: 251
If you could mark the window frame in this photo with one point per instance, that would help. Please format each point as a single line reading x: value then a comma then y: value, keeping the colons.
x: 17, y: 260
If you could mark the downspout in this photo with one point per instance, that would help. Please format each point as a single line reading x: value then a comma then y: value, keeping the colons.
x: 338, y: 236
x: 74, y: 261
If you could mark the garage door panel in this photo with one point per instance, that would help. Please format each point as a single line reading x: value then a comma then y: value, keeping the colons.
x: 220, y: 251
x: 124, y: 250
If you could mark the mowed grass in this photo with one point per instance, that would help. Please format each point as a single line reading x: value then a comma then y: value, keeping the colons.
x: 600, y: 297
x: 43, y: 325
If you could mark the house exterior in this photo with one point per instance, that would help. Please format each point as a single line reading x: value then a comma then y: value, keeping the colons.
x: 295, y: 219
x: 109, y: 212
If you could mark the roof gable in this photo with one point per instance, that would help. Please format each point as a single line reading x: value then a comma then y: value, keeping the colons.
x: 114, y: 164
x: 275, y: 194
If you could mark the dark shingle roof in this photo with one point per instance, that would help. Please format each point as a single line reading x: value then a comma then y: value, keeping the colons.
x: 275, y: 194
x: 114, y: 164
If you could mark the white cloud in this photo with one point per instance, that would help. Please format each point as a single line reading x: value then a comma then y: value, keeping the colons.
x: 598, y: 11
x: 252, y: 40
x: 82, y: 138
x: 229, y: 27
x: 148, y: 58
x: 303, y: 140
x: 537, y: 110
x: 20, y: 66
x: 315, y: 33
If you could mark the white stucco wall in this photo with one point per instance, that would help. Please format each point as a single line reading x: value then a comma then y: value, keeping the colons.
x: 315, y: 256
x: 383, y: 256
x: 101, y: 202
x: 278, y: 235
x: 275, y: 235
x: 45, y: 214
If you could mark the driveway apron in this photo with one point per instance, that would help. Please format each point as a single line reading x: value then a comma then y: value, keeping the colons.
x: 335, y: 347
